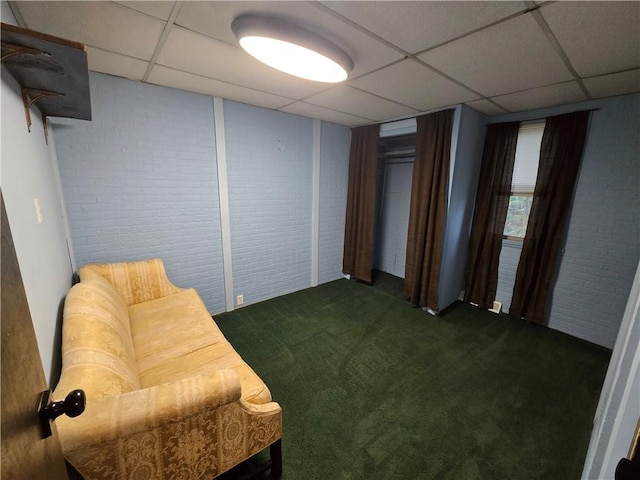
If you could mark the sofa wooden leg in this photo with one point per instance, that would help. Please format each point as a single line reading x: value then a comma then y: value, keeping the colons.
x: 276, y: 458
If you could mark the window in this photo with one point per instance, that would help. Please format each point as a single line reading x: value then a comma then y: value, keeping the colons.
x: 523, y: 183
x: 518, y: 215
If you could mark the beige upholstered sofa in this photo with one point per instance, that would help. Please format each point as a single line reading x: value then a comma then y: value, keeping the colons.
x: 167, y: 395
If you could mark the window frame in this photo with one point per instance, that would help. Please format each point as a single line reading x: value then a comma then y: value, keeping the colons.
x: 520, y: 193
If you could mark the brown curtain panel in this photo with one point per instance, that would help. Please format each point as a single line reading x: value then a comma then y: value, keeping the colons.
x: 361, y: 203
x: 427, y: 214
x: 562, y: 145
x: 492, y: 201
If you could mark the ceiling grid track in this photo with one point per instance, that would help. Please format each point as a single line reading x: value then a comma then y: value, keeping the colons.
x: 163, y: 38
x: 390, y: 45
x: 410, y: 55
x: 359, y: 27
x: 558, y: 48
x: 479, y: 29
x: 414, y: 57
x: 371, y: 120
x: 382, y: 98
x: 281, y: 109
x: 232, y: 84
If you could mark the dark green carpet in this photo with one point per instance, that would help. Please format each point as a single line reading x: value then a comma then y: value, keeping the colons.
x: 372, y: 388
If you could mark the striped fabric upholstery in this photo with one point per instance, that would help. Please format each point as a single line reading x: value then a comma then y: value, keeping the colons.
x: 137, y: 282
x: 98, y: 352
x: 201, y: 409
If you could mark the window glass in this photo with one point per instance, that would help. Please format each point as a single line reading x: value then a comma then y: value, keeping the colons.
x: 518, y: 215
x: 525, y: 172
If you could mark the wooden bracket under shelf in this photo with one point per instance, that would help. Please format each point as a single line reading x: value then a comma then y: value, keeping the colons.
x: 52, y: 73
x: 13, y: 50
x: 32, y: 95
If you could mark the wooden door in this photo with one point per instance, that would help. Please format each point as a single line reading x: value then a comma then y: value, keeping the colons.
x: 25, y: 455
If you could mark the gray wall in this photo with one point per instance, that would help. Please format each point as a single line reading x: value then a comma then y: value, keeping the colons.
x: 467, y: 158
x: 270, y: 165
x: 140, y: 181
x: 602, y: 245
x: 29, y: 171
x: 509, y: 258
x: 334, y: 173
x: 619, y: 406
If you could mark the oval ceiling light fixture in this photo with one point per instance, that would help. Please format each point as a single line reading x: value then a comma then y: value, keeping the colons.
x: 292, y: 49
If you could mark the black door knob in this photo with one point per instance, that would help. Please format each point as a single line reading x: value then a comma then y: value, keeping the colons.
x: 72, y: 406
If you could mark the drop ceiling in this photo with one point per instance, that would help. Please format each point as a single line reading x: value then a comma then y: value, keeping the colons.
x: 410, y: 57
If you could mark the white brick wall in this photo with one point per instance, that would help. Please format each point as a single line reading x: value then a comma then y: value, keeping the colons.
x: 140, y: 181
x: 603, y: 239
x: 334, y: 172
x: 509, y: 258
x: 270, y: 174
x: 602, y: 246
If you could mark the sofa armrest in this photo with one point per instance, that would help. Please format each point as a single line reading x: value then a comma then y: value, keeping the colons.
x: 137, y: 282
x: 109, y: 418
x: 193, y: 428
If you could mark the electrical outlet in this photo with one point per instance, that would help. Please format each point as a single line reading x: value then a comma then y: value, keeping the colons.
x: 497, y: 307
x: 239, y: 299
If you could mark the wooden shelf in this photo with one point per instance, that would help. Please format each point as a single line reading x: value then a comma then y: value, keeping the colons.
x: 52, y: 72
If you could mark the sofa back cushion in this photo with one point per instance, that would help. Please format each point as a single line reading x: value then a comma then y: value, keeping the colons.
x: 97, y: 350
x: 137, y: 282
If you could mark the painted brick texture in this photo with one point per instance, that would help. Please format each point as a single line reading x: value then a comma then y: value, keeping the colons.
x: 509, y: 258
x: 335, y: 141
x: 270, y: 174
x: 602, y: 247
x: 603, y: 240
x: 140, y: 181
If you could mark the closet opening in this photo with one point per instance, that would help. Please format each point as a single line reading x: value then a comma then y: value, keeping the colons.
x: 393, y: 195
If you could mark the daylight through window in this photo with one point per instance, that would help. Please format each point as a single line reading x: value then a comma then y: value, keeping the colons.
x: 523, y: 183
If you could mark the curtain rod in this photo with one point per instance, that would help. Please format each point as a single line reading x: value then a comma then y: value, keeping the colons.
x: 543, y: 118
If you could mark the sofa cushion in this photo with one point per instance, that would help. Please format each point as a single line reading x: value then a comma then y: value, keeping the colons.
x: 175, y: 337
x: 135, y: 281
x: 97, y: 353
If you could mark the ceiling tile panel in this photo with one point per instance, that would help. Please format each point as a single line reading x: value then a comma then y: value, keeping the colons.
x: 511, y: 61
x: 105, y: 25
x: 116, y: 64
x: 416, y: 26
x: 486, y: 107
x: 349, y: 100
x: 598, y: 37
x: 321, y: 113
x: 548, y: 96
x: 421, y: 89
x: 194, y: 83
x: 195, y: 53
x: 214, y: 19
x: 614, y: 84
x: 513, y: 55
x: 161, y: 10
